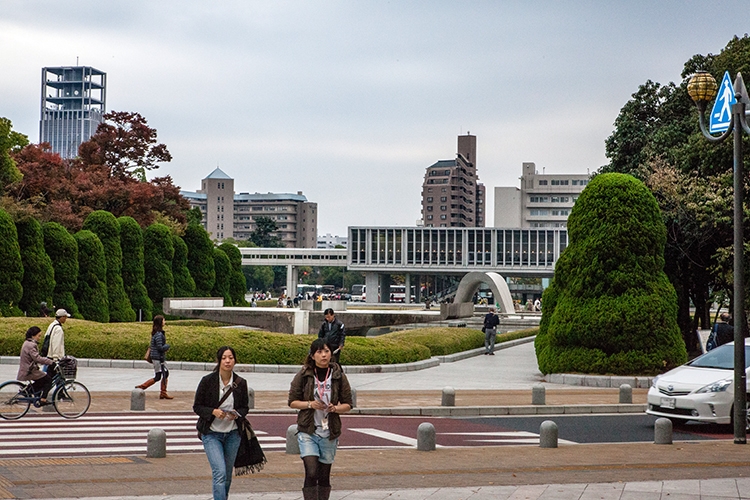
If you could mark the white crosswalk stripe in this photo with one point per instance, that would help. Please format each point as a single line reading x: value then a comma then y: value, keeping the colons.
x: 111, y: 434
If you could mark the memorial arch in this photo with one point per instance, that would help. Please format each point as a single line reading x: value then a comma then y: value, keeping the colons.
x: 473, y: 280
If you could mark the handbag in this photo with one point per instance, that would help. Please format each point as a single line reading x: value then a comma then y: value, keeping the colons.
x: 250, y: 457
x: 147, y: 356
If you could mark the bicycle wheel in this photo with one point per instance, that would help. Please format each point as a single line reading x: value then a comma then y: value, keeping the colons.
x: 72, y: 399
x: 12, y: 404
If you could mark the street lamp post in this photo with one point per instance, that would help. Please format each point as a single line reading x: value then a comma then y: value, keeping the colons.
x: 702, y: 89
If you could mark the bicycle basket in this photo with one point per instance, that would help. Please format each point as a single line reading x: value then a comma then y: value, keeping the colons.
x: 68, y: 367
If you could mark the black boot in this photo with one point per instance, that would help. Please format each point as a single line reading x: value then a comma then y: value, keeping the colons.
x: 324, y: 492
x: 310, y: 493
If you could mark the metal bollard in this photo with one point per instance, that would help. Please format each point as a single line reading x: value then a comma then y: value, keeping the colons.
x: 538, y: 395
x: 137, y: 400
x: 354, y: 397
x: 292, y: 446
x: 251, y: 397
x: 449, y: 397
x: 426, y: 437
x: 626, y: 394
x: 548, y: 434
x: 156, y: 444
x: 663, y: 431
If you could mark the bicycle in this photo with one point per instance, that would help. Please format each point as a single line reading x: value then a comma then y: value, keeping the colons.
x: 70, y: 398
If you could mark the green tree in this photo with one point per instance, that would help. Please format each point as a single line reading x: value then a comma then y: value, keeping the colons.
x: 258, y: 278
x: 223, y: 276
x: 105, y: 226
x: 200, y: 259
x: 10, y: 142
x: 184, y: 284
x: 11, y: 268
x: 62, y: 249
x: 610, y: 307
x: 38, y: 274
x: 158, y: 253
x: 91, y: 294
x: 237, y: 283
x: 263, y: 235
x: 133, y: 271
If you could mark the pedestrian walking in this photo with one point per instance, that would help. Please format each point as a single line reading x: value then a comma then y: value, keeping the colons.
x: 321, y: 392
x: 491, y: 320
x: 332, y: 331
x: 158, y: 348
x: 221, y: 399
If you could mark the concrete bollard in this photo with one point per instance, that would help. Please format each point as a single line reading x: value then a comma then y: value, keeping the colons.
x: 426, y: 437
x: 292, y: 446
x: 538, y: 395
x: 663, y: 431
x: 137, y: 400
x: 548, y: 434
x: 626, y: 394
x: 156, y: 444
x: 449, y: 397
x: 251, y: 397
x: 354, y: 397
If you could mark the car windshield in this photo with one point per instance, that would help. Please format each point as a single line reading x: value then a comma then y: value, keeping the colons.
x: 721, y: 357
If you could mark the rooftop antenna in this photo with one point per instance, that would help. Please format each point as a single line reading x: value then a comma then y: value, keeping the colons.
x: 76, y: 60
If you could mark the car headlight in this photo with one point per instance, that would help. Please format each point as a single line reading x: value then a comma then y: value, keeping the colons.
x: 719, y: 386
x: 653, y: 381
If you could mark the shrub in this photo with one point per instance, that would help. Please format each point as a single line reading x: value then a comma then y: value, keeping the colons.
x: 11, y: 268
x: 38, y: 275
x: 184, y: 284
x: 91, y: 293
x: 62, y: 249
x: 223, y: 276
x: 237, y: 283
x: 200, y: 259
x: 133, y: 271
x: 610, y: 307
x: 158, y: 250
x: 105, y: 226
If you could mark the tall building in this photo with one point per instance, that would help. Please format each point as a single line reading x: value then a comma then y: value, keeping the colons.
x: 73, y: 102
x: 544, y: 200
x: 329, y: 241
x: 227, y: 214
x: 452, y: 195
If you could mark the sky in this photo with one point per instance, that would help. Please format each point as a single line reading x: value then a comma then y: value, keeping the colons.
x: 350, y: 101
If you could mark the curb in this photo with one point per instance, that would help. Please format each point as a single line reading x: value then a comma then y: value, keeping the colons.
x: 598, y: 380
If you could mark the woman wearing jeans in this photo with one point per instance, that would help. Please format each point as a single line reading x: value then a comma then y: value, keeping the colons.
x: 221, y: 398
x: 321, y: 392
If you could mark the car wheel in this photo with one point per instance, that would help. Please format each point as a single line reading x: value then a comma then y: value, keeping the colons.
x: 747, y: 414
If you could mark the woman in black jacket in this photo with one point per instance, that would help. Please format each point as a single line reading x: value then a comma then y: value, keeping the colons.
x: 158, y: 347
x: 220, y: 399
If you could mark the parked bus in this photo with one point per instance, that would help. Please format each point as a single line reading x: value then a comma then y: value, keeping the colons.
x: 397, y: 294
x: 358, y: 293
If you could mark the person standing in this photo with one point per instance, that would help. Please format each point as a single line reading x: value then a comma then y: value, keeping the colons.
x: 321, y: 392
x: 221, y: 399
x: 491, y: 321
x: 332, y: 331
x: 724, y: 330
x: 54, y: 338
x: 28, y: 367
x: 158, y: 347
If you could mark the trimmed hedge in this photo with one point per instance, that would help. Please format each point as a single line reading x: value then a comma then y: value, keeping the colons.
x: 200, y: 259
x: 133, y: 271
x: 62, y: 249
x: 11, y: 268
x: 91, y: 294
x: 38, y: 275
x: 184, y: 284
x: 223, y: 277
x: 158, y: 252
x: 237, y: 282
x: 105, y: 226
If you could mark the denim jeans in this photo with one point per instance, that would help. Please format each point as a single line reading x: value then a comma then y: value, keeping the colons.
x: 221, y: 450
x: 489, y: 339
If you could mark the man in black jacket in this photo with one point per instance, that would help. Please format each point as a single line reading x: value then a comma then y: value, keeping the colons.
x: 332, y: 330
x: 490, y: 331
x: 724, y: 331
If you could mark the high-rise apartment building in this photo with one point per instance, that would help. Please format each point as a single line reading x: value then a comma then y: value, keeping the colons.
x: 544, y: 200
x: 227, y: 214
x: 73, y: 102
x: 452, y: 195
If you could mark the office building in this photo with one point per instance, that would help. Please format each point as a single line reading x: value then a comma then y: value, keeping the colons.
x: 72, y: 105
x: 227, y: 214
x: 452, y: 195
x: 329, y: 241
x: 544, y: 200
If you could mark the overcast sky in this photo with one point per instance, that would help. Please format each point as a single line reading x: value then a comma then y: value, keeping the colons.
x: 350, y: 101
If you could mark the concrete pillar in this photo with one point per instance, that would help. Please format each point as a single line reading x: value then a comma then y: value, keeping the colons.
x: 418, y: 290
x: 354, y: 397
x: 292, y: 277
x: 156, y: 446
x: 426, y: 437
x: 251, y: 397
x: 407, y: 285
x: 449, y: 397
x: 292, y: 446
x: 371, y: 282
x: 626, y: 394
x: 385, y: 288
x: 137, y: 400
x: 538, y: 395
x: 548, y: 434
x: 663, y: 431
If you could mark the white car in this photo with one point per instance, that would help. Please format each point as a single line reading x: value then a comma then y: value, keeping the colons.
x: 701, y: 390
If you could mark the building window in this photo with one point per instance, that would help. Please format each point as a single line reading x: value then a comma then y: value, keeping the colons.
x: 429, y: 199
x: 443, y: 217
x: 443, y: 198
x: 558, y: 182
x: 539, y: 212
x: 429, y: 190
x: 542, y: 183
x: 443, y: 208
x: 429, y: 217
x: 538, y: 199
x: 443, y: 190
x: 429, y: 208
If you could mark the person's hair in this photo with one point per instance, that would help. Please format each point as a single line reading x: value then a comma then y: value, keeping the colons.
x: 220, y: 354
x: 317, y: 345
x: 328, y: 311
x: 725, y: 317
x: 32, y: 331
x: 158, y: 323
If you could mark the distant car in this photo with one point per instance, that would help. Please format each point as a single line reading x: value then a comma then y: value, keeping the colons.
x: 701, y: 390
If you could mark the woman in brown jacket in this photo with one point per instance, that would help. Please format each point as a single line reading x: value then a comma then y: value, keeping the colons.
x: 28, y: 368
x: 321, y: 392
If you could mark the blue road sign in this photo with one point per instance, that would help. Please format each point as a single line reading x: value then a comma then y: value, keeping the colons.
x: 721, y: 114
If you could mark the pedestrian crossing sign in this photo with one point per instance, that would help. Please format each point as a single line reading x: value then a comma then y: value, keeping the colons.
x: 721, y: 114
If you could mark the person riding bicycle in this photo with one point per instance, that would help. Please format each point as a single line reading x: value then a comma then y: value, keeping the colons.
x: 28, y: 368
